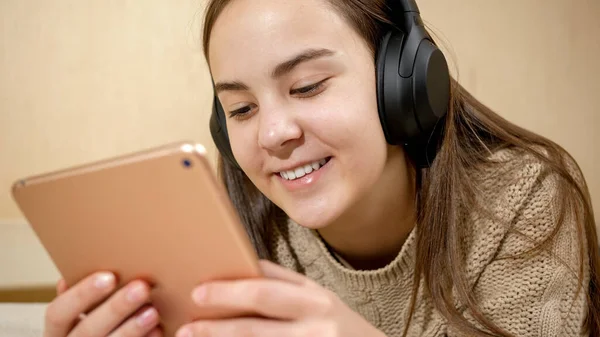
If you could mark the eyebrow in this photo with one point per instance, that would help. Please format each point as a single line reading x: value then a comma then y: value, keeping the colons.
x: 230, y: 86
x: 280, y: 70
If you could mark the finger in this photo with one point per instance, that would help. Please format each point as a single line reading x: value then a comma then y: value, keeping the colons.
x: 63, y: 312
x: 265, y: 297
x: 156, y: 332
x: 110, y: 314
x: 247, y: 327
x: 275, y: 271
x: 142, y: 323
x: 61, y: 286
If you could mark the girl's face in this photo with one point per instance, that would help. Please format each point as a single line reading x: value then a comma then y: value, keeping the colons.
x: 297, y: 84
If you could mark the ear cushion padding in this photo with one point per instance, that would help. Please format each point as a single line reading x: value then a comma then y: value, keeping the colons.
x: 380, y: 70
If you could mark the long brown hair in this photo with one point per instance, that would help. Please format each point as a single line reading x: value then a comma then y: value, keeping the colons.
x: 472, y: 131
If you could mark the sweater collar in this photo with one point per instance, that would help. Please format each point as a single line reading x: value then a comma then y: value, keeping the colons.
x: 400, y: 269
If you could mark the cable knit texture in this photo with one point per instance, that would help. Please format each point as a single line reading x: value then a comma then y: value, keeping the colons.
x: 527, y: 296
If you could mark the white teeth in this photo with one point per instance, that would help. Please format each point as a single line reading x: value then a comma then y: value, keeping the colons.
x: 302, y: 170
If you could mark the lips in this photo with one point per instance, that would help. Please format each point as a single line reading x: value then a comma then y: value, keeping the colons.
x: 303, y: 170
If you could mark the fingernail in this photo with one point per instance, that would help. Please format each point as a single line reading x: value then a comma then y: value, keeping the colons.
x: 104, y: 280
x: 199, y: 294
x: 136, y: 293
x: 184, y: 332
x: 147, y: 318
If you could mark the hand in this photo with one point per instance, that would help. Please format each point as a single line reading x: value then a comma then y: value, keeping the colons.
x: 291, y: 304
x: 121, y: 313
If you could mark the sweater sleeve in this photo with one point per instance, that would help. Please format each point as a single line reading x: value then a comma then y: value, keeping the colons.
x: 535, y: 294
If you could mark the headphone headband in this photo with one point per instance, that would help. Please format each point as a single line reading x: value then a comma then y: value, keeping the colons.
x: 408, y: 6
x: 404, y: 13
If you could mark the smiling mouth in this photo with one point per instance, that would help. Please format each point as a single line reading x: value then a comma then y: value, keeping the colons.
x: 301, y: 171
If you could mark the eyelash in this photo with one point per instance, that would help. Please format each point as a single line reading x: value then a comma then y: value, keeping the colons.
x: 308, y: 90
x: 305, y: 92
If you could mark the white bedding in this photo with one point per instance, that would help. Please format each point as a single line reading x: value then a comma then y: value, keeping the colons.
x: 21, y: 319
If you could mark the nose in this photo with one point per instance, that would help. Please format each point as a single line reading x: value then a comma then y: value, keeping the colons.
x: 278, y: 129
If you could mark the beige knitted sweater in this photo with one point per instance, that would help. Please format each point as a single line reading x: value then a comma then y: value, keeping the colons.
x: 525, y: 296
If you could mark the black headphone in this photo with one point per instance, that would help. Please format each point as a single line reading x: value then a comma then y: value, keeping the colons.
x: 413, y: 89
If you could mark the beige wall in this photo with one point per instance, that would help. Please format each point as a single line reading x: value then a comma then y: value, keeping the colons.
x: 535, y: 62
x: 83, y: 80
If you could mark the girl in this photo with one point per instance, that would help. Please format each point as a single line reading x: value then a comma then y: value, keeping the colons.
x: 477, y: 227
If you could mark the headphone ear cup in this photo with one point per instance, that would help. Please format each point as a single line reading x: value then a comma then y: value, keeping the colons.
x: 218, y: 131
x: 431, y: 83
x: 412, y: 108
x: 431, y: 86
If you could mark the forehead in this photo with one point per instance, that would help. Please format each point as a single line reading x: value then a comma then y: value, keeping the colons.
x: 256, y: 34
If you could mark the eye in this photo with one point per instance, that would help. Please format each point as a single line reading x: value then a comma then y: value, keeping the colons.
x: 309, y: 90
x: 242, y: 112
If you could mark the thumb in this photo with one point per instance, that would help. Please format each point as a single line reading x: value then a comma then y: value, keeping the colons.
x: 61, y: 286
x: 275, y: 271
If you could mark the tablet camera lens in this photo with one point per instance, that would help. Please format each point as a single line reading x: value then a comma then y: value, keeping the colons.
x: 187, y: 163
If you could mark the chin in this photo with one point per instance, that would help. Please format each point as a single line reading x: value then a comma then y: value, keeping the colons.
x: 310, y: 222
x: 313, y: 217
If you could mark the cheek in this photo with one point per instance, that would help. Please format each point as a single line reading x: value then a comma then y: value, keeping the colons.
x: 354, y: 131
x: 245, y: 147
x: 349, y: 119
